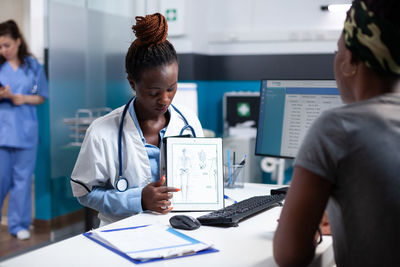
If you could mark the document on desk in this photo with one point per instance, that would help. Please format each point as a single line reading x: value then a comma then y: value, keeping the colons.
x: 149, y: 242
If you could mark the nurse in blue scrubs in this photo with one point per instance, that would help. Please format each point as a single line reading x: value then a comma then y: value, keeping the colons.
x: 23, y: 86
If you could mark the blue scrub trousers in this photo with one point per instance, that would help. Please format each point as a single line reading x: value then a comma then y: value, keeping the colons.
x: 16, y: 169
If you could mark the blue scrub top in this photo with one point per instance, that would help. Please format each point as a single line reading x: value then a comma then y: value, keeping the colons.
x: 18, y: 124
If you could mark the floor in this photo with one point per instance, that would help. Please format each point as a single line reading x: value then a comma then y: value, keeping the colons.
x: 9, y: 245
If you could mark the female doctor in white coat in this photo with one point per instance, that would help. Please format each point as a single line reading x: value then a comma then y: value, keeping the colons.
x: 121, y: 185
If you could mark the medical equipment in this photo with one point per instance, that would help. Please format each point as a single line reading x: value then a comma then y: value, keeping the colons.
x: 35, y: 74
x: 121, y: 184
x: 79, y: 124
x: 34, y: 90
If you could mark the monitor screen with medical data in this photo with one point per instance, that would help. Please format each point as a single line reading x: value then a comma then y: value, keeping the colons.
x: 287, y: 110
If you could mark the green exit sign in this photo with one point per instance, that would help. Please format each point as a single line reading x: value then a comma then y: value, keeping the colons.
x: 171, y: 14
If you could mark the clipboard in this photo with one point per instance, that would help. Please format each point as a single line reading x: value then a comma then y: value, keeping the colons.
x: 195, y: 166
x: 177, y: 250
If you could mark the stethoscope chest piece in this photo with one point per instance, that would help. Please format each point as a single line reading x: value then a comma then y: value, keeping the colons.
x: 122, y: 184
x: 34, y: 89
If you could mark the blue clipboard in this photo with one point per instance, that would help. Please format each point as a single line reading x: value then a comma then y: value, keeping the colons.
x: 126, y: 256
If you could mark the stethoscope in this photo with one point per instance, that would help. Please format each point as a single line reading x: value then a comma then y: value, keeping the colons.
x: 121, y: 184
x: 35, y: 73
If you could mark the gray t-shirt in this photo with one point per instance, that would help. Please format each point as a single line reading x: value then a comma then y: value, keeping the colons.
x: 357, y: 148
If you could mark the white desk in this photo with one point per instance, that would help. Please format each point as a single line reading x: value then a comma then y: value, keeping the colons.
x: 249, y: 244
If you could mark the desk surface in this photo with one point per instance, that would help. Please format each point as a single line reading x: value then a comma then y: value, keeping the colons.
x: 249, y: 244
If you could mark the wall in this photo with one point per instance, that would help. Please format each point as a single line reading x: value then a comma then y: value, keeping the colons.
x: 225, y: 45
x: 18, y: 10
x: 257, y: 26
x: 229, y: 44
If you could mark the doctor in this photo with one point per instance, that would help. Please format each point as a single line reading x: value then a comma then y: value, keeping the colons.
x: 118, y: 168
x: 23, y: 86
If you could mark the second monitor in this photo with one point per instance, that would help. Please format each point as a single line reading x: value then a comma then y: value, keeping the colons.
x: 287, y: 110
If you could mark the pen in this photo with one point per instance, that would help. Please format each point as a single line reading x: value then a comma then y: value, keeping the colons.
x: 236, y: 171
x: 243, y: 161
x: 226, y: 197
x: 229, y: 166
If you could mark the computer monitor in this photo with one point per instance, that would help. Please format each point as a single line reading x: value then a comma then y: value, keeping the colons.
x: 287, y: 110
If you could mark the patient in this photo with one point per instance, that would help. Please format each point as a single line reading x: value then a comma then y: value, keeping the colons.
x: 351, y: 155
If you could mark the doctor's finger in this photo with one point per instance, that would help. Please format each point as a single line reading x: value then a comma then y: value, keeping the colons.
x: 163, y: 206
x: 166, y: 189
x: 165, y: 211
x: 162, y: 196
x: 7, y: 91
x: 159, y: 182
x: 164, y: 203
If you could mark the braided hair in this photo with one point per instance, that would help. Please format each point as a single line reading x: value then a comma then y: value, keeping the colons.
x: 151, y: 47
x: 10, y: 28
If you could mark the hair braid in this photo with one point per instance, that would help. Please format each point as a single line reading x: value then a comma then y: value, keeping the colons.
x: 151, y: 47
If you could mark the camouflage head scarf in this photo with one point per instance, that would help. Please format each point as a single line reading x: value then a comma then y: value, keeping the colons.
x: 374, y: 41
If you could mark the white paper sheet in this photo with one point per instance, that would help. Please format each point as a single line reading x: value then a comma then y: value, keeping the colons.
x: 149, y: 242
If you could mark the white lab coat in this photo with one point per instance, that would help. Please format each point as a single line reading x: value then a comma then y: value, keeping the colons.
x: 97, y: 163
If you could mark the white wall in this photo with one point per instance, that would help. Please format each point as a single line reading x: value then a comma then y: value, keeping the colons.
x: 255, y: 26
x: 215, y: 27
x: 38, y: 19
x: 18, y: 10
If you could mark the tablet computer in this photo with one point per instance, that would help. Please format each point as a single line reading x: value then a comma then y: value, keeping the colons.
x: 195, y: 166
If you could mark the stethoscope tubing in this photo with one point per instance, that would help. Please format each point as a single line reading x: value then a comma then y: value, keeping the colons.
x: 120, y: 131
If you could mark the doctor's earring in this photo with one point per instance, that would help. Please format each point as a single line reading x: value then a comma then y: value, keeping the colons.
x: 347, y: 70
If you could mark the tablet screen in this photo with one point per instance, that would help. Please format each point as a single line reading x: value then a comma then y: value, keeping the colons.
x: 195, y: 166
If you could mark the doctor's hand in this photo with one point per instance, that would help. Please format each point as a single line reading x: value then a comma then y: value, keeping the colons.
x: 155, y: 196
x: 18, y: 99
x: 5, y: 92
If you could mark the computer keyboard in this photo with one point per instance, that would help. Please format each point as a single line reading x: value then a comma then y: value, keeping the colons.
x: 231, y: 215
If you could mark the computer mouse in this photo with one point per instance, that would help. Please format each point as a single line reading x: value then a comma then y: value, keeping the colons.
x: 184, y: 222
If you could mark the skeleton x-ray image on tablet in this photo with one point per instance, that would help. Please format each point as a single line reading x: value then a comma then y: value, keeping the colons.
x: 194, y: 165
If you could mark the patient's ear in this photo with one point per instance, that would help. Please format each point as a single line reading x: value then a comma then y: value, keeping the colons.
x: 349, y: 65
x: 353, y: 62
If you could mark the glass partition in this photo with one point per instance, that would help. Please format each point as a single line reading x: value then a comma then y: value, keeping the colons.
x: 87, y: 43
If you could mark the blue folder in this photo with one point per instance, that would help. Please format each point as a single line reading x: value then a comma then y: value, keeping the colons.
x: 126, y: 256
